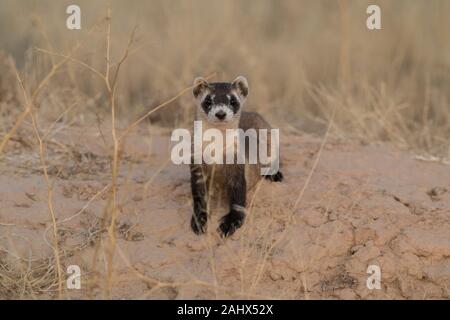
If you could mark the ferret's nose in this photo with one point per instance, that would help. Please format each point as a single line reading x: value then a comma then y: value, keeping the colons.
x: 220, y: 115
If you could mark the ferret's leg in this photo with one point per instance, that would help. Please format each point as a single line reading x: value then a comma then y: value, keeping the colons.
x: 199, y: 197
x: 237, y: 189
x: 277, y: 177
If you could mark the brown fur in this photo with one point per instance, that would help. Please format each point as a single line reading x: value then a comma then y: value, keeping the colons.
x: 216, y: 184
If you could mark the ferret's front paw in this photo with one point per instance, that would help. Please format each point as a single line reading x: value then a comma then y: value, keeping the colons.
x: 198, y: 222
x: 230, y: 223
x: 277, y: 177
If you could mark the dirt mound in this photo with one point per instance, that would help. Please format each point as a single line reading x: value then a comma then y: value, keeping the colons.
x: 365, y: 205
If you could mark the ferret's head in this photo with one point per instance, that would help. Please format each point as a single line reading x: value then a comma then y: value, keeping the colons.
x: 220, y: 102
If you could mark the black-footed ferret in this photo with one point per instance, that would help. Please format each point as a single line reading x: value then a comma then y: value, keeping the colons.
x: 219, y: 106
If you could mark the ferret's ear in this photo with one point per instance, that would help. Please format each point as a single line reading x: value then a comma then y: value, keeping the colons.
x: 199, y: 86
x: 240, y: 84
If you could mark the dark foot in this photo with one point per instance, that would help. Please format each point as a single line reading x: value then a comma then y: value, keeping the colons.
x: 230, y: 223
x: 277, y: 177
x: 198, y: 222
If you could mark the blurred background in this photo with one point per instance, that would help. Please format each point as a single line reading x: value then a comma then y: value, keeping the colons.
x: 302, y: 58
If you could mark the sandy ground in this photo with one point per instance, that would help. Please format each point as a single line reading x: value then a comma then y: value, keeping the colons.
x: 365, y: 205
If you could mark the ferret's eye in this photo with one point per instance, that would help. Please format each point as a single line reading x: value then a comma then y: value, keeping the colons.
x: 207, y: 102
x: 234, y: 102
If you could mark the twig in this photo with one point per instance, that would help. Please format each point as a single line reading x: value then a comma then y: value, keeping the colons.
x: 179, y: 94
x: 31, y: 110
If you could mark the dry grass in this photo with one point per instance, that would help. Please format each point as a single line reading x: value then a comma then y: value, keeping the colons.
x: 301, y: 58
x: 310, y: 64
